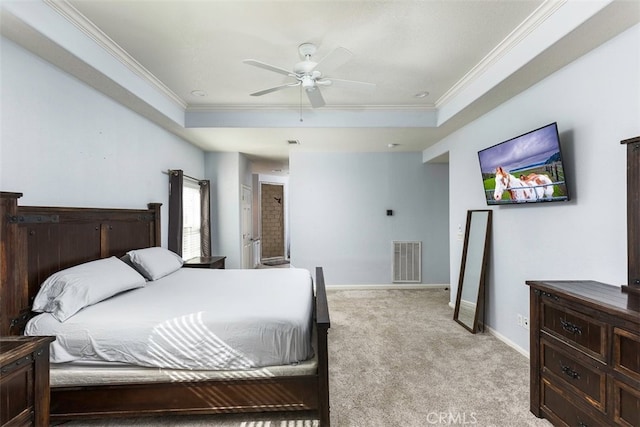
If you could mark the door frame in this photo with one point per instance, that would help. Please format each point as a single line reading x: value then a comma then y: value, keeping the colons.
x: 246, y: 227
x: 285, y: 213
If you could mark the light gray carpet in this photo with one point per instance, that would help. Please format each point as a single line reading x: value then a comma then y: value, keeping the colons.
x: 398, y: 359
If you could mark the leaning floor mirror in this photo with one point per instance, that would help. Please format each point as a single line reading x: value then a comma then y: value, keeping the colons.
x: 469, y: 310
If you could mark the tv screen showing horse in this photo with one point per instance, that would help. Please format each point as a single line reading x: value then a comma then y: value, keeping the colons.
x: 525, y: 169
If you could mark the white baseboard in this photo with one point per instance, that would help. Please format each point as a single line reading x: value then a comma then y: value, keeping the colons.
x: 501, y: 337
x: 366, y: 287
x: 507, y: 341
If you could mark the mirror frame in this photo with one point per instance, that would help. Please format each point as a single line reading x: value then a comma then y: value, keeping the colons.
x: 478, y: 318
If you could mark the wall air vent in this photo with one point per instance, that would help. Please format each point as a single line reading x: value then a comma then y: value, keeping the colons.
x: 407, y: 262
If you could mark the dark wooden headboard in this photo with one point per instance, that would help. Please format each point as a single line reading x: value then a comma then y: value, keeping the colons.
x: 37, y: 241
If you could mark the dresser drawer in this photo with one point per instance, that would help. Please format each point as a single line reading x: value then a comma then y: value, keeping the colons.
x: 575, y: 328
x: 17, y: 403
x: 585, y: 354
x: 626, y: 404
x: 626, y: 352
x: 24, y: 381
x: 586, y: 380
x: 556, y: 404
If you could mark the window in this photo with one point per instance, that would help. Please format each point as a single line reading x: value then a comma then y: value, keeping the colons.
x: 191, y: 221
x: 189, y: 212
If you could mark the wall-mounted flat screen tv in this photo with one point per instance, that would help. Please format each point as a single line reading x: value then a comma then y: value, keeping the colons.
x: 525, y: 169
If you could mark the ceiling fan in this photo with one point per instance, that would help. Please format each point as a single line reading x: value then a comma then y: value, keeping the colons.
x: 308, y: 74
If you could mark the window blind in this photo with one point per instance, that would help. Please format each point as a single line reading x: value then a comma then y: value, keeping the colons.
x: 190, y: 220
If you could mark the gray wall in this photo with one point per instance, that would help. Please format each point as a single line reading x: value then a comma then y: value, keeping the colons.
x: 338, y: 204
x: 227, y: 173
x: 596, y: 102
x: 65, y: 144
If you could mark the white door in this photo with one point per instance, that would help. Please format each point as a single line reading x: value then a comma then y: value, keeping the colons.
x: 247, y: 228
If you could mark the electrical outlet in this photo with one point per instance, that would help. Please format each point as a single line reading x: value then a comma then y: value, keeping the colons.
x: 520, y: 320
x: 525, y: 323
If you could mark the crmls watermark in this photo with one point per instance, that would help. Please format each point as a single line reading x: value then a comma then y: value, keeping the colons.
x: 452, y: 418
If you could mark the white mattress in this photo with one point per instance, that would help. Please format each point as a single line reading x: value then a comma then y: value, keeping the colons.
x: 195, y: 319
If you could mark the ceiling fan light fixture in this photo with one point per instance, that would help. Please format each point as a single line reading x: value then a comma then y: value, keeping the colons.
x: 304, y: 67
x: 308, y: 83
x: 308, y: 77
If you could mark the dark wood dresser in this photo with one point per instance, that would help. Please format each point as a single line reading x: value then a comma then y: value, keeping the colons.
x: 585, y: 354
x: 585, y: 337
x: 24, y: 381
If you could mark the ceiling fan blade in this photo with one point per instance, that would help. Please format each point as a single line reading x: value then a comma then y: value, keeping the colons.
x: 347, y: 84
x: 315, y: 97
x: 337, y: 57
x: 269, y: 67
x: 274, y: 89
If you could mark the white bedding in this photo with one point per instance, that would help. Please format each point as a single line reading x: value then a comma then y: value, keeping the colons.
x: 196, y: 319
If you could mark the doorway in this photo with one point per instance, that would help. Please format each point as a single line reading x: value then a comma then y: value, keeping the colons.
x: 247, y: 228
x: 272, y: 221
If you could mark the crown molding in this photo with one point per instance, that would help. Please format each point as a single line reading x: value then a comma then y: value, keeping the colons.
x: 531, y: 23
x: 430, y: 108
x: 71, y: 14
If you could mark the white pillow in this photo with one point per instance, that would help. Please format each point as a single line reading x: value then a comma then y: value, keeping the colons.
x: 68, y: 291
x: 155, y: 262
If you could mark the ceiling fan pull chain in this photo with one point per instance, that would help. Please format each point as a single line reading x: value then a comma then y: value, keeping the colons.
x: 300, y: 103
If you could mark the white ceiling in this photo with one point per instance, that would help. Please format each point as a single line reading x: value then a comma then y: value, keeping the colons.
x: 469, y: 55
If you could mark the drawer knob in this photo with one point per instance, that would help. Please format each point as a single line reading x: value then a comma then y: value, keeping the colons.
x: 570, y: 327
x: 570, y: 372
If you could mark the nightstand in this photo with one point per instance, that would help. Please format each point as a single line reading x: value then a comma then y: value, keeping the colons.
x: 24, y: 381
x: 205, y: 262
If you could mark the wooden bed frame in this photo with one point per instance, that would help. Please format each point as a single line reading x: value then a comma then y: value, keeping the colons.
x: 38, y: 241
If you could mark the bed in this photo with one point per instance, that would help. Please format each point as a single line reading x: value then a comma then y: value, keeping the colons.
x: 36, y: 242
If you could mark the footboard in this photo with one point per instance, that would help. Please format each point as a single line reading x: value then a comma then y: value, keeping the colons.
x: 323, y: 323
